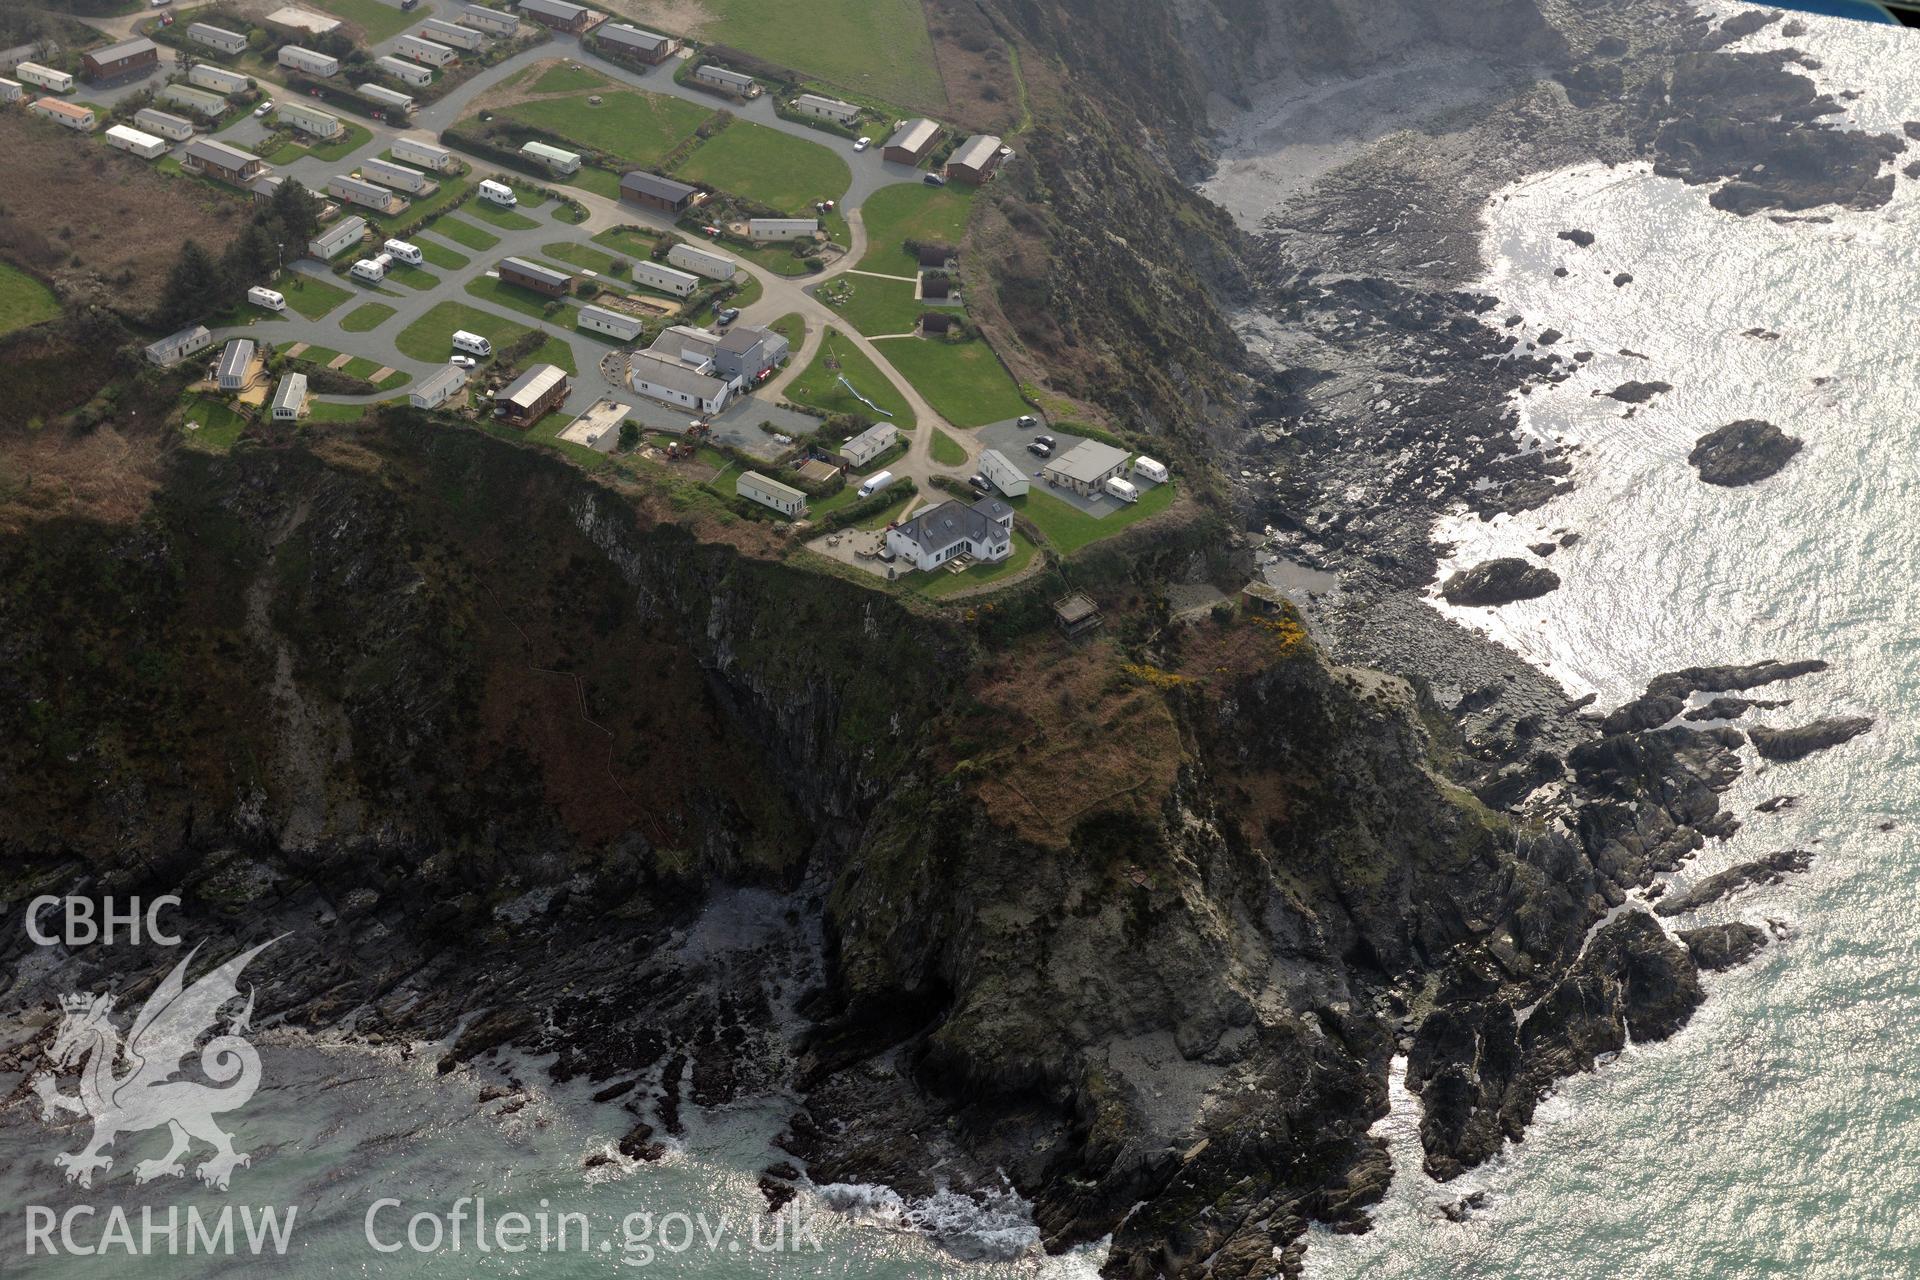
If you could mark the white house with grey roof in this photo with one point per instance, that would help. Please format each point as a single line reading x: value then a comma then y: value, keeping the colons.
x: 421, y: 49
x: 615, y: 324
x: 939, y: 534
x: 210, y: 106
x: 290, y: 400
x: 338, y: 238
x: 413, y: 151
x: 663, y: 377
x: 235, y: 370
x: 175, y: 347
x: 1085, y: 467
x: 208, y: 76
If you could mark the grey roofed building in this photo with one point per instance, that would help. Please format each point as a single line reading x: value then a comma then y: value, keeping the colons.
x: 632, y: 37
x: 726, y: 79
x: 221, y: 156
x: 177, y: 346
x: 1087, y: 463
x: 531, y: 385
x: 233, y: 363
x: 686, y: 344
x: 985, y: 526
x: 976, y: 153
x: 915, y: 136
x: 642, y: 183
x: 291, y: 398
x: 747, y: 350
x: 556, y: 9
x: 546, y: 275
x: 122, y: 51
x: 437, y: 388
x: 669, y: 372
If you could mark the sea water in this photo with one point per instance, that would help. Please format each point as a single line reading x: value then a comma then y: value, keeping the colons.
x: 1778, y: 1134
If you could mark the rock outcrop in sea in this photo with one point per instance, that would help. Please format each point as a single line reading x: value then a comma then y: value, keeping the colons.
x: 1742, y: 452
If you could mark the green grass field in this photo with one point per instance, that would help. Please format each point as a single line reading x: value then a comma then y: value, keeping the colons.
x: 565, y: 79
x: 24, y: 301
x: 379, y: 21
x: 363, y: 318
x: 506, y: 219
x: 462, y: 232
x: 525, y: 301
x: 819, y: 386
x: 352, y: 138
x: 431, y: 336
x: 575, y: 254
x: 440, y: 255
x: 310, y: 297
x: 635, y: 126
x: 874, y: 306
x: 947, y: 451
x: 412, y: 277
x: 964, y: 382
x: 601, y: 182
x: 879, y: 47
x: 635, y: 244
x: 1067, y: 528
x: 792, y: 327
x: 768, y: 167
x: 910, y: 211
x: 322, y: 411
x: 942, y: 583
x: 220, y: 426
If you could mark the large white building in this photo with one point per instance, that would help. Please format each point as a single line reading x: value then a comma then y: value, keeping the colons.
x: 290, y: 401
x: 671, y: 381
x: 1085, y: 468
x: 983, y: 530
x: 554, y: 158
x: 782, y: 228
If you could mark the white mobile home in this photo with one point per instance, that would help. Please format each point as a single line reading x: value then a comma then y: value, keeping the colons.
x: 144, y: 145
x: 295, y: 58
x: 236, y: 365
x: 176, y: 128
x: 812, y: 104
x: 491, y: 21
x: 438, y: 159
x: 218, y: 79
x: 421, y: 49
x: 439, y: 388
x: 665, y: 279
x: 365, y: 194
x: 338, y: 238
x: 870, y: 444
x: 310, y: 120
x: 726, y: 81
x: 64, y: 113
x: 561, y: 162
x: 782, y: 228
x: 397, y: 176
x: 217, y: 38
x: 290, y: 401
x: 768, y: 492
x: 45, y: 77
x: 410, y: 73
x: 208, y: 106
x: 386, y: 97
x: 448, y: 34
x: 175, y: 347
x: 615, y: 324
x: 10, y: 90
x: 1003, y: 475
x: 702, y: 262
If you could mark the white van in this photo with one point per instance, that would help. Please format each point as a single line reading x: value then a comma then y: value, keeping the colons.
x: 1122, y: 489
x: 497, y: 192
x: 404, y: 252
x: 471, y: 343
x: 875, y: 483
x: 271, y: 299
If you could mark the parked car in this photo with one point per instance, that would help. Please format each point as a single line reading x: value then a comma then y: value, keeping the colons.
x: 465, y: 362
x: 863, y: 144
x: 266, y: 105
x: 934, y: 180
x: 1027, y: 422
x: 979, y: 483
x: 727, y: 315
x: 1039, y: 450
x: 1048, y: 441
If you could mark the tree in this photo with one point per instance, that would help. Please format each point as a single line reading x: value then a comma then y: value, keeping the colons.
x: 196, y: 286
x: 629, y: 435
x: 297, y: 212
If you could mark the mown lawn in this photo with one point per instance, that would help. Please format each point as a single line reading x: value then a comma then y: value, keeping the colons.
x: 441, y: 255
x: 487, y: 211
x: 911, y: 211
x: 562, y: 78
x: 573, y: 253
x: 947, y: 451
x: 450, y: 190
x: 323, y: 411
x: 525, y: 301
x: 463, y: 232
x: 24, y: 301
x: 635, y: 244
x: 819, y: 385
x: 1067, y: 528
x: 792, y: 327
x: 310, y: 297
x: 352, y: 138
x: 363, y: 318
x: 600, y: 182
x: 380, y: 21
x: 768, y: 167
x: 942, y: 583
x: 412, y: 277
x: 431, y: 336
x: 873, y: 306
x: 635, y: 126
x: 880, y: 47
x: 220, y: 425
x: 964, y: 381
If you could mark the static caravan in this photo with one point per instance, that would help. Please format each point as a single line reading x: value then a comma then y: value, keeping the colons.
x: 702, y: 262
x: 870, y: 444
x: 338, y: 238
x: 491, y: 21
x: 768, y: 492
x: 421, y: 49
x: 647, y: 46
x: 448, y: 34
x: 665, y: 279
x: 293, y: 57
x: 45, y: 77
x: 438, y: 159
x: 217, y: 38
x: 439, y: 388
x: 10, y: 90
x: 176, y: 128
x: 390, y: 98
x: 271, y: 299
x: 373, y: 270
x: 410, y: 73
x: 208, y: 106
x: 1003, y: 475
x: 397, y: 176
x: 64, y: 113
x: 812, y: 104
x: 144, y: 145
x: 782, y: 228
x: 236, y: 365
x: 365, y: 194
x: 559, y: 161
x: 614, y: 324
x: 310, y: 120
x: 291, y: 399
x: 218, y: 79
x: 175, y: 347
x: 726, y: 81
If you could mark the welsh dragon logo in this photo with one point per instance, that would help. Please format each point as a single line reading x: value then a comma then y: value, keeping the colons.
x: 146, y: 1095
